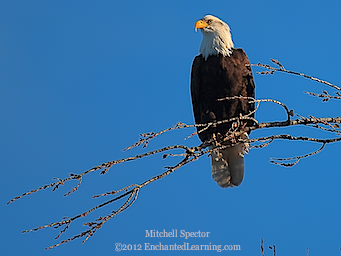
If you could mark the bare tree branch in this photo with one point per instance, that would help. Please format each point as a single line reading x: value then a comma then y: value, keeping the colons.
x: 237, y: 134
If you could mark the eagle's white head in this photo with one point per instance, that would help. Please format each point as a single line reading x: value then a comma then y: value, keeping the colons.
x: 216, y: 37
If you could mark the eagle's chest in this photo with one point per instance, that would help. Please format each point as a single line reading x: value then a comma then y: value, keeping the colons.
x: 215, y: 83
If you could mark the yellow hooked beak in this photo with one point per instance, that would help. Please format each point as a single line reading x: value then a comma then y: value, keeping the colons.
x: 200, y: 24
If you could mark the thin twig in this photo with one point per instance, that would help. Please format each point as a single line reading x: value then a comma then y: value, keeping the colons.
x: 297, y: 158
x: 325, y: 95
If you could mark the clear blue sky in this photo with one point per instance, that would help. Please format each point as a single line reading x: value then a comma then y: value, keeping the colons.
x: 79, y: 80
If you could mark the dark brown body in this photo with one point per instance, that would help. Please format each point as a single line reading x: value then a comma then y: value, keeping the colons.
x: 216, y: 78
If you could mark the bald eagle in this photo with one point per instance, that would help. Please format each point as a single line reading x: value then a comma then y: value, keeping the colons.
x: 220, y: 71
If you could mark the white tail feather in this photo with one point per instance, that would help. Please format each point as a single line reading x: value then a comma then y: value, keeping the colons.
x: 228, y: 166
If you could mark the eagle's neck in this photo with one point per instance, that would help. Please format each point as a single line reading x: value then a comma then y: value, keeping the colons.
x: 214, y: 43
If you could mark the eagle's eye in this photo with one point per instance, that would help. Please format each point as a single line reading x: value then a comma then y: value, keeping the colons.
x: 209, y: 22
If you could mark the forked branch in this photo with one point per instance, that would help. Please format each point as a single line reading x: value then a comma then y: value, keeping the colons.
x: 280, y: 68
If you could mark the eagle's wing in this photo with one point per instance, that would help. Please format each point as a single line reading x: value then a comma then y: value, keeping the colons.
x: 228, y: 164
x: 195, y: 89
